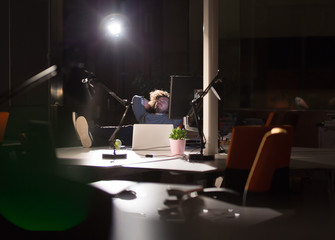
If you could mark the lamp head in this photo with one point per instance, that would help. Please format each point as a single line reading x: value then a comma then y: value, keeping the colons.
x: 217, y: 86
x: 217, y: 89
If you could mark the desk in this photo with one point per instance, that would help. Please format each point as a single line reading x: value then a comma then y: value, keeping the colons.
x: 91, y: 158
x: 89, y: 162
x: 301, y: 158
x: 309, y: 158
x: 139, y: 218
x: 305, y: 161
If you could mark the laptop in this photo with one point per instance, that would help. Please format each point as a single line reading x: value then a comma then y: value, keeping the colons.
x: 153, y: 137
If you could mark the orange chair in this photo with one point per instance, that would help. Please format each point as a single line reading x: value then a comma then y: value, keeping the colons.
x: 3, y: 123
x: 270, y: 170
x: 242, y: 150
x: 245, y: 142
x: 257, y: 167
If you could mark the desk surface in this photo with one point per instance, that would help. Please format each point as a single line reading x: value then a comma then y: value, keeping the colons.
x: 87, y: 164
x: 138, y: 219
x: 309, y: 158
x: 301, y: 158
x: 142, y: 213
x: 143, y: 216
x: 161, y: 160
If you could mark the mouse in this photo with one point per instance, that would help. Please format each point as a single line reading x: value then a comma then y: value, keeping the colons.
x: 126, y: 195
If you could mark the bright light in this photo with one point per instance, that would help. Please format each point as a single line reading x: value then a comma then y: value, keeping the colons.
x: 114, y: 27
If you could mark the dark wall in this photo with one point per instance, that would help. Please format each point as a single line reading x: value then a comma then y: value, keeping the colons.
x: 27, y: 45
x: 4, y: 49
x: 26, y: 51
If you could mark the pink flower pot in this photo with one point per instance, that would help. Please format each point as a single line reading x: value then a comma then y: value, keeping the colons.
x: 177, y: 146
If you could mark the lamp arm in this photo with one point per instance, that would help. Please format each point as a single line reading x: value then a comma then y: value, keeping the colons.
x: 93, y: 79
x: 195, y: 103
x: 200, y: 132
x: 124, y: 102
x: 112, y: 138
x: 29, y: 84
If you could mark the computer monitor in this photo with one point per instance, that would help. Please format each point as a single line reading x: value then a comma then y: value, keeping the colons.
x: 182, y: 92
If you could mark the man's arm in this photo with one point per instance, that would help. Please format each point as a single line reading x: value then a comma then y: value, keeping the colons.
x: 143, y: 116
x: 140, y: 108
x: 146, y: 105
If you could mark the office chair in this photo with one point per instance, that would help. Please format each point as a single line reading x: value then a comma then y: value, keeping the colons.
x: 3, y: 123
x: 251, y: 145
x: 243, y: 147
x: 269, y: 175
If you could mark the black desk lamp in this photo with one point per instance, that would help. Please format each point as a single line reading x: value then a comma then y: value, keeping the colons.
x: 124, y: 102
x: 195, y: 103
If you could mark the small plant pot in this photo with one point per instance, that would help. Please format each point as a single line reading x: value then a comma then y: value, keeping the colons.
x: 177, y: 146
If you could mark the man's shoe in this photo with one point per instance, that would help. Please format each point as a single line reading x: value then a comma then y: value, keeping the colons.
x: 84, y: 134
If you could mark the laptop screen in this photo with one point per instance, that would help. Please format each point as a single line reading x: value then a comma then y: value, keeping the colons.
x: 154, y: 137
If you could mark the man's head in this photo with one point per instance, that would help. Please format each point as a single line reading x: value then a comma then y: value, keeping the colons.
x: 159, y: 101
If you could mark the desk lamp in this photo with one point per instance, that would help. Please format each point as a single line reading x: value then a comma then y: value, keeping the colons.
x: 27, y: 85
x: 216, y: 83
x: 90, y: 82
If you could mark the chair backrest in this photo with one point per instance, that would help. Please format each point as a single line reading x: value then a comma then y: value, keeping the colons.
x: 272, y: 161
x: 244, y: 145
x: 3, y: 123
x: 242, y: 150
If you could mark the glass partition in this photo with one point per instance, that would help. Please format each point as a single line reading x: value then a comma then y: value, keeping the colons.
x: 278, y: 54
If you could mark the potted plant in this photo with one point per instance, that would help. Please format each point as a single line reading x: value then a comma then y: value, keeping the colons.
x: 178, y: 141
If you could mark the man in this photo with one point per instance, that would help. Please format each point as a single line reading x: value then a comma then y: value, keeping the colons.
x: 154, y: 111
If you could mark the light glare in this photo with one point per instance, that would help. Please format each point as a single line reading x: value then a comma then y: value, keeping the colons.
x: 114, y: 28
